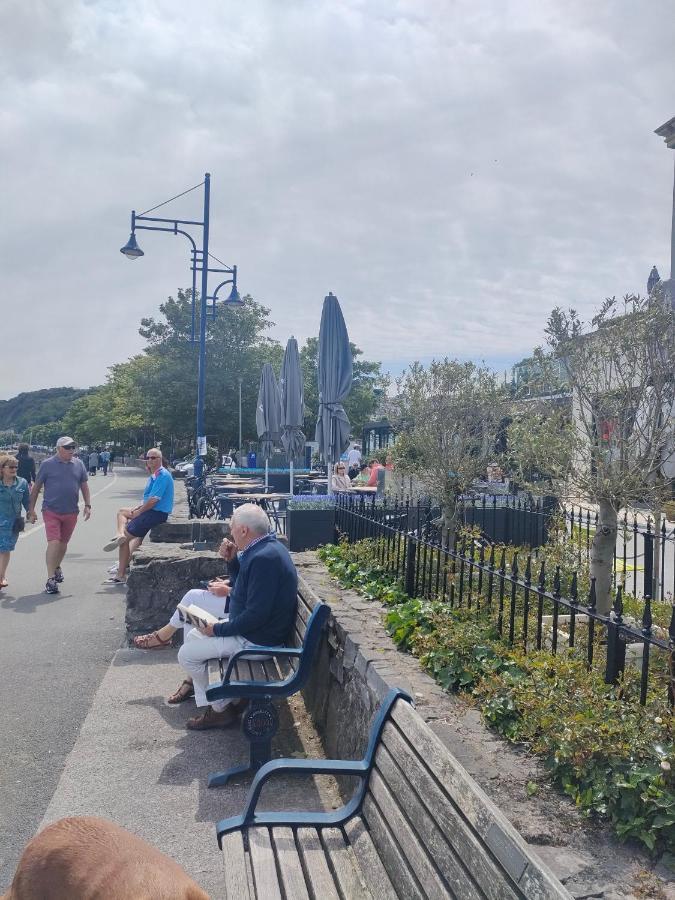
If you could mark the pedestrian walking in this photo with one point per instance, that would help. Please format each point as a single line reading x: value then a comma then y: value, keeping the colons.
x: 111, y: 460
x: 14, y: 493
x: 26, y: 464
x: 63, y: 478
x: 104, y: 459
x: 93, y: 462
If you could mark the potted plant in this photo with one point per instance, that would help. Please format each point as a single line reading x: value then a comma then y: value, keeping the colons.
x: 310, y: 521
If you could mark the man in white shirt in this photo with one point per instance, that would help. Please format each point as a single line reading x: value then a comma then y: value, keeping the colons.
x: 354, y: 460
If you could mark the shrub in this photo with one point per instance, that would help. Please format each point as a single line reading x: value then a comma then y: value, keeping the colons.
x: 612, y: 756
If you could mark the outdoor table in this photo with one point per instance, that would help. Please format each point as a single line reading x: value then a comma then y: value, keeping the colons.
x: 268, y: 502
x: 362, y: 489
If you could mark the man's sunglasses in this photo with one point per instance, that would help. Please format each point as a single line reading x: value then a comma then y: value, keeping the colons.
x: 68, y: 446
x: 153, y: 457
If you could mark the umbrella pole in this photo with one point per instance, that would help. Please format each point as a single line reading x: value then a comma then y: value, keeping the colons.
x: 291, y: 476
x: 267, y: 473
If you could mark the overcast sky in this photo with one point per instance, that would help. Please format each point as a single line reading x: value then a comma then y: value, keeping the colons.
x: 451, y: 170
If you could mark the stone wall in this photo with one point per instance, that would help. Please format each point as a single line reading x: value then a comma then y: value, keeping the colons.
x: 167, y: 566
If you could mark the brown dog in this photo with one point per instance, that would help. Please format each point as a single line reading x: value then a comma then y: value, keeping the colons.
x: 86, y: 858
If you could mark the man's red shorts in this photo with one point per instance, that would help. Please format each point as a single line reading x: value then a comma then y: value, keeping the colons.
x: 59, y: 527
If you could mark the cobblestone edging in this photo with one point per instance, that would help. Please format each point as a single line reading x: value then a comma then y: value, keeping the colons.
x: 359, y: 663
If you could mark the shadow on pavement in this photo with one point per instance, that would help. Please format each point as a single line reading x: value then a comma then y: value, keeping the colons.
x: 30, y: 602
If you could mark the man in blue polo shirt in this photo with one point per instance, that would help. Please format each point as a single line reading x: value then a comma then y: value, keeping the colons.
x: 134, y: 524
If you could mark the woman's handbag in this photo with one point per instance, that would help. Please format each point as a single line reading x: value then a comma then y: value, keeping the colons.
x: 19, y: 525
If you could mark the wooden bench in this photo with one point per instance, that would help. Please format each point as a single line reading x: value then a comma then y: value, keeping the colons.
x: 262, y: 675
x: 417, y: 826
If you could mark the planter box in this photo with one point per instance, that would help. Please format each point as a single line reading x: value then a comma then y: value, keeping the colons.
x: 308, y: 529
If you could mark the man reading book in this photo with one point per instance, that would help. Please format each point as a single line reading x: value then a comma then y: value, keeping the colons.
x: 262, y: 609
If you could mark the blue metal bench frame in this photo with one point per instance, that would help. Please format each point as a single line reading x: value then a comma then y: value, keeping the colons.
x: 359, y: 768
x: 260, y: 721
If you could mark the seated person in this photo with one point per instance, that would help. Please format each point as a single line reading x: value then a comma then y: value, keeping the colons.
x: 375, y: 466
x: 364, y: 474
x: 212, y: 599
x: 340, y: 480
x: 262, y: 609
x: 134, y: 524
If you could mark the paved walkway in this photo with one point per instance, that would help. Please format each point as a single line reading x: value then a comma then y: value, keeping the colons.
x: 135, y: 763
x: 85, y: 725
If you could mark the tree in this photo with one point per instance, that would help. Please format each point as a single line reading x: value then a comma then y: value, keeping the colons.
x: 619, y: 368
x: 361, y: 402
x: 236, y: 347
x: 448, y: 422
x: 44, y: 435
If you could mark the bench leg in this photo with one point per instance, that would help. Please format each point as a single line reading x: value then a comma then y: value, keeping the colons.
x: 259, y: 723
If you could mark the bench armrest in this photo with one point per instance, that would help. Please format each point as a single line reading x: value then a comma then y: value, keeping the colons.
x: 259, y: 651
x: 359, y: 768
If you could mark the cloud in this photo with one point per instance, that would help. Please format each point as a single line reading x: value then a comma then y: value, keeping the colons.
x: 450, y: 171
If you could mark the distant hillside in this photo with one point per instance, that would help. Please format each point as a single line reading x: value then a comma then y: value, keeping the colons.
x: 38, y: 407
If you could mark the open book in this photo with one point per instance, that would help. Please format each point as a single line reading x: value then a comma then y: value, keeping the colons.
x: 197, y: 616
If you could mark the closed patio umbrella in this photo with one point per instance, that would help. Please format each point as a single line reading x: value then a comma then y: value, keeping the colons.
x: 335, y: 382
x: 268, y: 415
x: 292, y: 405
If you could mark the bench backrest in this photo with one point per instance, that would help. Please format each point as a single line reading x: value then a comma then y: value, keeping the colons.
x: 309, y: 642
x: 435, y: 828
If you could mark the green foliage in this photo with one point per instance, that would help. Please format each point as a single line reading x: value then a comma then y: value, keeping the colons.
x: 449, y: 420
x: 612, y: 756
x: 42, y: 407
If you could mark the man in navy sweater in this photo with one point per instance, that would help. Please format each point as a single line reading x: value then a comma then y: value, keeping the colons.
x: 262, y: 608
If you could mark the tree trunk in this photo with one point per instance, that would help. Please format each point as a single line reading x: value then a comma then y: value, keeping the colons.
x: 602, y: 555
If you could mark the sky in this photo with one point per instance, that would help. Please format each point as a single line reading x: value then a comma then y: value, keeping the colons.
x: 450, y: 170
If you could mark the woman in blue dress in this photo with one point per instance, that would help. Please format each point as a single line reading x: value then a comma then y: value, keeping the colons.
x: 13, y: 495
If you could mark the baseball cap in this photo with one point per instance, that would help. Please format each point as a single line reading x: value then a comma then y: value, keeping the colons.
x: 65, y: 441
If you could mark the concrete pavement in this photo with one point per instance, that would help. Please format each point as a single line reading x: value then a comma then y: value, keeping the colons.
x: 89, y: 732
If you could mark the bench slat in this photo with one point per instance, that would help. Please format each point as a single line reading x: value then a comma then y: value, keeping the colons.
x: 258, y: 672
x: 263, y: 865
x: 343, y: 863
x: 215, y: 674
x: 236, y: 872
x: 290, y: 866
x: 429, y: 835
x: 371, y: 866
x: 450, y: 821
x: 319, y: 874
x: 398, y: 844
x: 489, y: 822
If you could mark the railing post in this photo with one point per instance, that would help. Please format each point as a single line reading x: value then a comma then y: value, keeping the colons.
x: 410, y: 549
x: 616, y: 648
x: 649, y: 560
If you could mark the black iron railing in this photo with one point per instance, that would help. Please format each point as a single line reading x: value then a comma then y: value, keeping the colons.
x: 529, y: 604
x: 513, y: 520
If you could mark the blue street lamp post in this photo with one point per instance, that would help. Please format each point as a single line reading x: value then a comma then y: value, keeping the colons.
x: 199, y: 263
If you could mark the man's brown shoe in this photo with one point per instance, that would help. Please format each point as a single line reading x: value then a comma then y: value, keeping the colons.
x: 212, y: 719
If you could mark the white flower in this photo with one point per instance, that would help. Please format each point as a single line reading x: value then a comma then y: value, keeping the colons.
x: 665, y: 765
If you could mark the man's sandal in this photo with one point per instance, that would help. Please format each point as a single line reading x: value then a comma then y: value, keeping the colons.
x: 150, y: 642
x: 185, y: 690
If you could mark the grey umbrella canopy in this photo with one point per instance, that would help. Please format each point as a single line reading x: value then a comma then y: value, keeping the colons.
x: 268, y: 411
x: 335, y: 381
x: 292, y: 401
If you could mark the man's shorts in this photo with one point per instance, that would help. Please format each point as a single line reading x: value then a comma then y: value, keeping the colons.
x: 59, y: 526
x: 142, y: 524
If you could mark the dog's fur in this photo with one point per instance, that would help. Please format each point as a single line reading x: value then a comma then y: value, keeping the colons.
x: 86, y: 858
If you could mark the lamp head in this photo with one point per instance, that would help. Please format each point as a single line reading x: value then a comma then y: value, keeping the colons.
x: 234, y: 299
x: 131, y: 249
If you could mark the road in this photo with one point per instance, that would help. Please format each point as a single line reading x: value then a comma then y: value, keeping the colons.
x: 54, y: 652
